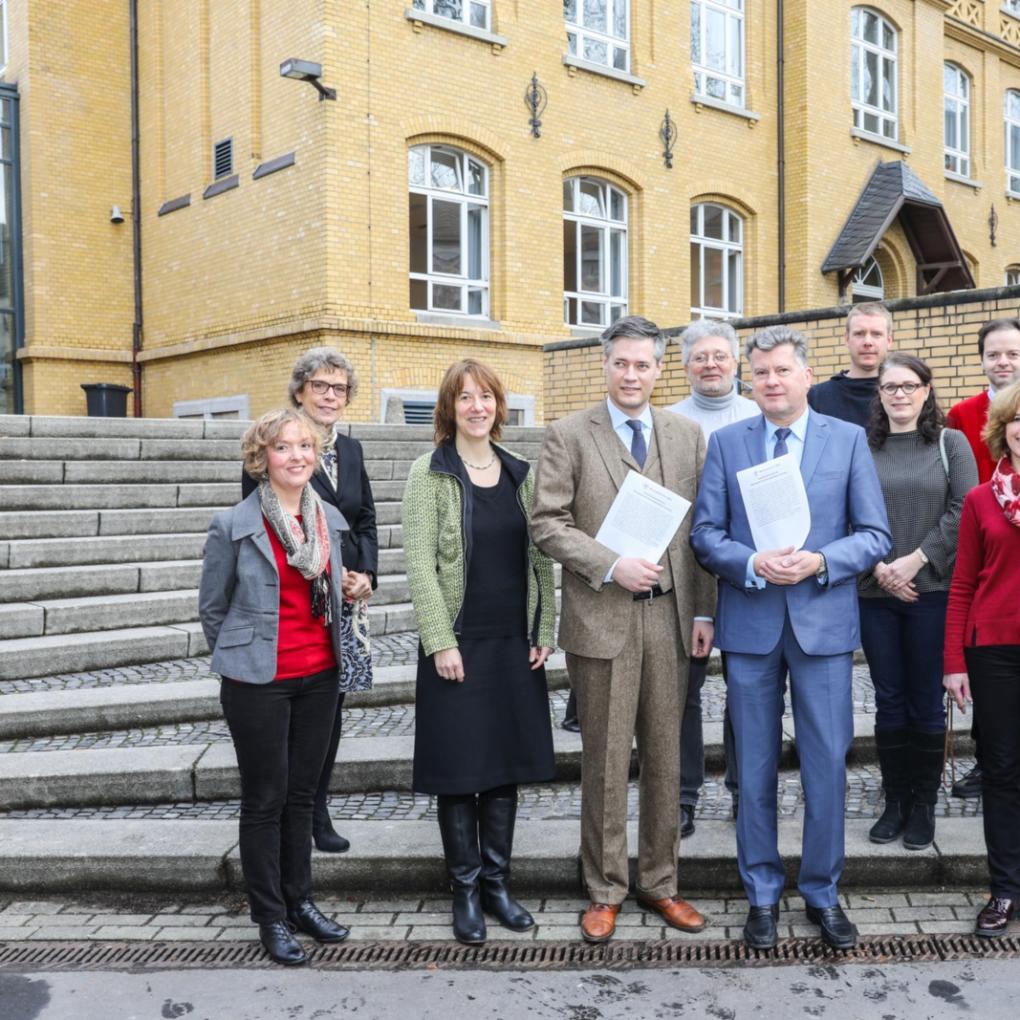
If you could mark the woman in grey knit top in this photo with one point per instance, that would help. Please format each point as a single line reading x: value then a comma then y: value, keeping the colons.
x: 925, y: 471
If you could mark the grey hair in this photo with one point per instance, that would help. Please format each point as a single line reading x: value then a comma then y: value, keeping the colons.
x: 705, y: 328
x: 633, y: 327
x: 315, y: 359
x: 773, y: 336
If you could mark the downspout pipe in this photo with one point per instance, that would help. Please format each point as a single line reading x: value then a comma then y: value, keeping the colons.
x: 136, y: 214
x: 781, y: 154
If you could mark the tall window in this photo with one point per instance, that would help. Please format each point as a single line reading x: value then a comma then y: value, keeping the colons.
x: 449, y: 231
x: 469, y: 12
x: 717, y: 261
x: 873, y: 73
x: 867, y: 284
x: 599, y: 31
x: 1013, y: 142
x: 1012, y: 276
x: 956, y: 129
x: 594, y: 252
x: 717, y: 49
x: 3, y: 34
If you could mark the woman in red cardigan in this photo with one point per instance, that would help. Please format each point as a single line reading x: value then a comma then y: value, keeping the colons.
x: 982, y: 650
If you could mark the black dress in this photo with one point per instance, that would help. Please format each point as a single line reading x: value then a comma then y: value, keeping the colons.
x: 493, y: 729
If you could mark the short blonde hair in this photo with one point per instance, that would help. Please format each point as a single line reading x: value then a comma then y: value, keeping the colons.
x: 1001, y: 412
x: 261, y: 434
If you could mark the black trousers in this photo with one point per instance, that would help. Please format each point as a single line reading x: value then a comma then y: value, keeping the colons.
x: 994, y: 672
x: 281, y: 731
x: 322, y: 790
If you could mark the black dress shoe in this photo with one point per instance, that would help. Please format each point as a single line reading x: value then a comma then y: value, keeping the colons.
x: 571, y: 724
x: 760, y: 931
x: 306, y: 917
x: 968, y: 786
x: 686, y: 820
x: 837, y: 931
x: 994, y: 918
x: 326, y: 838
x: 279, y: 942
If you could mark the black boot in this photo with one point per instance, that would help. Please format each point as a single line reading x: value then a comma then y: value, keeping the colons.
x: 894, y: 759
x: 458, y: 825
x: 928, y: 754
x: 496, y: 817
x: 326, y: 838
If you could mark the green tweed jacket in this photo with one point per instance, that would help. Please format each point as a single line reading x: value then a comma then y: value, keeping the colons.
x: 435, y: 515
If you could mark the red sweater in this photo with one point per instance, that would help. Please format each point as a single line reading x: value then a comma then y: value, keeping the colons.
x: 304, y: 646
x: 984, y: 599
x: 969, y: 417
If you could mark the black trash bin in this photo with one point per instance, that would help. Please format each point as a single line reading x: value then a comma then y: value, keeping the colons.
x: 106, y: 400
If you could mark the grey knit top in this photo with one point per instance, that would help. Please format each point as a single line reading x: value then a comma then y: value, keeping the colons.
x: 923, y: 505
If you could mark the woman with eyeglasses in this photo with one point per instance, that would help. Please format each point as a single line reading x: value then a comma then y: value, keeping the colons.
x: 323, y: 383
x: 925, y: 471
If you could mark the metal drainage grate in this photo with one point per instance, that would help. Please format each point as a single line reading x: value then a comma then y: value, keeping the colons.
x: 139, y: 956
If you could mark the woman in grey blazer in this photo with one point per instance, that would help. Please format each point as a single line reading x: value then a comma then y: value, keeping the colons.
x: 269, y: 603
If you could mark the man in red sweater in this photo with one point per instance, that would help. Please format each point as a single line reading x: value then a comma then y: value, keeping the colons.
x: 999, y: 349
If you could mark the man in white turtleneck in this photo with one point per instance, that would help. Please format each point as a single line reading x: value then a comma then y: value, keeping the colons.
x: 711, y: 354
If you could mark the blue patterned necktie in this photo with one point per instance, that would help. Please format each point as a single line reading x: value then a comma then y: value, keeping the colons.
x: 781, y: 447
x: 638, y: 449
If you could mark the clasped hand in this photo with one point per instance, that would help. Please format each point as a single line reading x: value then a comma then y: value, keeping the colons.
x: 635, y: 574
x: 897, y: 578
x: 786, y: 566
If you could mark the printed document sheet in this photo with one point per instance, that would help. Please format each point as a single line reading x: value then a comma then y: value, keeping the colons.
x: 643, y: 519
x: 776, y: 503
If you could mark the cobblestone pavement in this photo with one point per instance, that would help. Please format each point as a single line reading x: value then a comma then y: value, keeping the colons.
x: 537, y: 802
x: 417, y: 918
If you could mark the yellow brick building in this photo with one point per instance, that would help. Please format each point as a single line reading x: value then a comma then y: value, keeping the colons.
x: 432, y: 210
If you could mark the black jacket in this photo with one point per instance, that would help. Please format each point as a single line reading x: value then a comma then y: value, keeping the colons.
x: 360, y: 546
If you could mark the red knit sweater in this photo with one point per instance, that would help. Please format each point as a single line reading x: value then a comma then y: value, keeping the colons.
x: 984, y: 599
x: 304, y: 646
x: 969, y: 417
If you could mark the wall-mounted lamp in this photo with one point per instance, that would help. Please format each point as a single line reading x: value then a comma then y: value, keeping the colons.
x: 307, y: 70
x: 535, y: 99
x: 668, y: 135
x: 116, y: 216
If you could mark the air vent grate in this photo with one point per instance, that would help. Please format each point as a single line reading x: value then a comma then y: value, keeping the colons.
x: 223, y: 158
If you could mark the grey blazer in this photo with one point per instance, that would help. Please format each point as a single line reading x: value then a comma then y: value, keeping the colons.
x: 239, y: 594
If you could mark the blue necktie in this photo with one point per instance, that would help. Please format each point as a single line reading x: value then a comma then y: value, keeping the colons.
x: 638, y: 449
x: 781, y: 447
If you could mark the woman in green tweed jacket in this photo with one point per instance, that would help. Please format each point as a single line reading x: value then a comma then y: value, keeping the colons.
x: 484, y: 601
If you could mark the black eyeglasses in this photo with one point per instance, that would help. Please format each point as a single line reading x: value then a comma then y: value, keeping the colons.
x: 889, y: 388
x: 320, y: 386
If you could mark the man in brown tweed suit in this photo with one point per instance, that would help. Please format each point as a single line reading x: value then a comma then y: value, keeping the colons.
x: 628, y: 626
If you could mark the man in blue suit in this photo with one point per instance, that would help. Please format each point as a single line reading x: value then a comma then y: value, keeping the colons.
x: 790, y: 610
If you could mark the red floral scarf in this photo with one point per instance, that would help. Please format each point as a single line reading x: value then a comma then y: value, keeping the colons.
x: 1006, y: 489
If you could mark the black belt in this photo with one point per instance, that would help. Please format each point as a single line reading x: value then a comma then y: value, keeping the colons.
x: 647, y: 596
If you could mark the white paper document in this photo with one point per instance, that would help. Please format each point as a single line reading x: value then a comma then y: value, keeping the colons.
x: 776, y: 503
x: 643, y: 519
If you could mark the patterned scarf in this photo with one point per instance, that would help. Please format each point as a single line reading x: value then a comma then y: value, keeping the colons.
x: 1006, y: 489
x: 306, y: 542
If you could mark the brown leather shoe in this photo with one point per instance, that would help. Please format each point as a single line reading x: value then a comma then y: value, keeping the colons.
x: 676, y: 912
x: 599, y: 921
x: 993, y: 920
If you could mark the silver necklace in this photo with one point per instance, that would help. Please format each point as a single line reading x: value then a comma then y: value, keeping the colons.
x: 479, y: 467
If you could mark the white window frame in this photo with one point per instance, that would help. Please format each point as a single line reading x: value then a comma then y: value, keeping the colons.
x: 1012, y: 141
x: 1012, y: 276
x: 956, y: 110
x: 732, y: 80
x: 3, y: 41
x: 580, y: 36
x: 446, y: 9
x: 226, y: 408
x: 609, y: 306
x: 733, y: 304
x: 886, y: 114
x: 862, y: 291
x: 467, y: 201
x: 523, y: 402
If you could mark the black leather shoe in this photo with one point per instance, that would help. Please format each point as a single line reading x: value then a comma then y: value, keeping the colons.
x: 994, y: 918
x: 571, y: 724
x: 279, y: 942
x: 306, y: 917
x: 837, y: 931
x: 686, y: 820
x: 968, y: 786
x: 760, y: 931
x: 325, y: 837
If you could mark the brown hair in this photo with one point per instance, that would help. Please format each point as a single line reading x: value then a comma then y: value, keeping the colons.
x: 262, y: 433
x: 1001, y: 412
x: 445, y: 415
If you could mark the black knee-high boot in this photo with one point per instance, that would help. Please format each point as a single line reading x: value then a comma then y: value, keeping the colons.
x: 497, y: 813
x: 458, y: 825
x: 895, y: 760
x: 928, y: 751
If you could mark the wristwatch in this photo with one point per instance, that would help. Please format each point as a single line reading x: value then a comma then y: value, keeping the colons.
x: 822, y: 573
x: 920, y: 552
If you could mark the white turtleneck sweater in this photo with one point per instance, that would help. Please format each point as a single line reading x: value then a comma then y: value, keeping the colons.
x: 713, y: 413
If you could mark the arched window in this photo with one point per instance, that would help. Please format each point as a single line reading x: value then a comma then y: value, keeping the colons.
x: 1012, y: 276
x: 956, y: 122
x: 873, y: 89
x: 449, y: 231
x: 867, y: 284
x: 1013, y: 142
x: 594, y: 252
x: 717, y: 261
x: 717, y: 49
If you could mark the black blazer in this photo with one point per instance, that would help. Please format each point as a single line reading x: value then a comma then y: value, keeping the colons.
x: 360, y: 546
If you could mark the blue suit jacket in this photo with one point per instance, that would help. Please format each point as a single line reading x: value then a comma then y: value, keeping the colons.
x: 848, y: 526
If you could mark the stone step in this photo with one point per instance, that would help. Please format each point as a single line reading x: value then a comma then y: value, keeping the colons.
x: 33, y: 584
x: 128, y: 497
x: 114, y: 472
x: 103, y: 549
x: 42, y: 856
x: 392, y: 590
x: 88, y: 523
x: 68, y: 449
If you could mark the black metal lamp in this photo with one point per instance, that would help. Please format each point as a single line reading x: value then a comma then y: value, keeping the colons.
x: 309, y: 71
